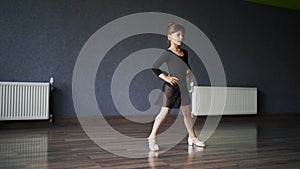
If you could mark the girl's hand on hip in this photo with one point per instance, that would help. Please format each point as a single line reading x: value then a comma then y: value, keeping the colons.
x: 172, y: 80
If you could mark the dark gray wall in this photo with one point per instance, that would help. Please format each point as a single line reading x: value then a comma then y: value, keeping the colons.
x: 258, y: 45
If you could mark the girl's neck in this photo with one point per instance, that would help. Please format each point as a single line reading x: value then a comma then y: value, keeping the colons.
x: 174, y: 48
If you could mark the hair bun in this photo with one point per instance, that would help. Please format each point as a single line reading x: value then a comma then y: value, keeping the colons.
x: 170, y: 24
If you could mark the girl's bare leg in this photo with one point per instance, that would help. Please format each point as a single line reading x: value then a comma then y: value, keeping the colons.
x: 158, y: 121
x: 186, y: 111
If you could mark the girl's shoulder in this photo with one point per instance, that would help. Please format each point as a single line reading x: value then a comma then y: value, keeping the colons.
x: 167, y: 52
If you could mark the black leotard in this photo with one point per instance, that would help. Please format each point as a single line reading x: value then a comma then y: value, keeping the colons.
x: 175, y: 95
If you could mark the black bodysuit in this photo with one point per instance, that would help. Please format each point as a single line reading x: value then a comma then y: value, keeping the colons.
x: 175, y: 95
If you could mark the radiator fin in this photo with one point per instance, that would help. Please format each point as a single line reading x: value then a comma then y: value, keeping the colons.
x: 210, y: 100
x: 23, y: 101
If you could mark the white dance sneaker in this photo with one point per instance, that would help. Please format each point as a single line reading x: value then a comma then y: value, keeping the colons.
x: 152, y: 144
x: 196, y: 142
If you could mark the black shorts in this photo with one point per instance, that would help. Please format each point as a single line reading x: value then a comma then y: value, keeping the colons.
x: 175, y: 96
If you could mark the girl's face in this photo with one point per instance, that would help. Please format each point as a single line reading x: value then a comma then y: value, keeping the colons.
x: 176, y: 38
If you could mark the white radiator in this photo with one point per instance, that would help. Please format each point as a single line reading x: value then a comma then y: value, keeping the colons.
x: 24, y: 101
x: 235, y: 100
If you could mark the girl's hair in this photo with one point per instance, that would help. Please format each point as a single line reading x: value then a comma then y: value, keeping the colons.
x: 172, y: 28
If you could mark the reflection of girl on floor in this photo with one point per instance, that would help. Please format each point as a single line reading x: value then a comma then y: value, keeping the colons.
x: 192, y: 156
x: 175, y: 88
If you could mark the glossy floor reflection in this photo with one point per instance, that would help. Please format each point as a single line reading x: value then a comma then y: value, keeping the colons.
x: 243, y: 142
x: 21, y: 150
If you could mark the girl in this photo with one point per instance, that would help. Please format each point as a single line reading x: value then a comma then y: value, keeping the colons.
x: 175, y: 88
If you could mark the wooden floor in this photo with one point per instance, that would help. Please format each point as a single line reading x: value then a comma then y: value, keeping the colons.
x: 239, y: 142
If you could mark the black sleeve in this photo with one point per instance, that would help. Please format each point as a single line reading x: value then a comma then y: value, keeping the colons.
x: 162, y: 59
x: 156, y: 71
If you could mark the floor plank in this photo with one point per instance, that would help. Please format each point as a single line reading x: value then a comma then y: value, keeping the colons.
x: 238, y: 142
